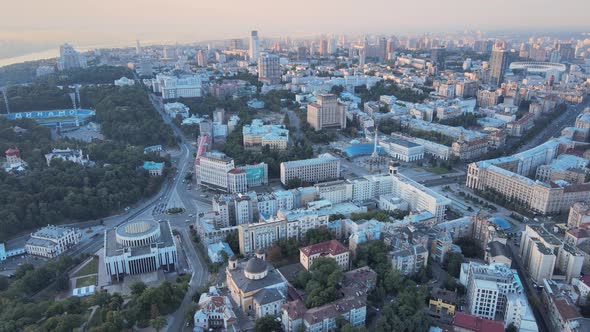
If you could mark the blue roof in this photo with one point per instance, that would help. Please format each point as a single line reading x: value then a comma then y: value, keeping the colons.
x: 356, y: 150
x: 152, y: 165
x: 501, y: 222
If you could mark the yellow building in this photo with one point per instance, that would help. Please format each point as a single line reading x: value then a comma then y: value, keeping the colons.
x: 256, y: 286
x: 442, y: 303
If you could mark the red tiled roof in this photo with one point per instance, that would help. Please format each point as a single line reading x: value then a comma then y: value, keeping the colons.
x: 12, y: 152
x: 236, y: 171
x: 566, y: 310
x: 476, y: 324
x: 576, y: 188
x: 332, y: 247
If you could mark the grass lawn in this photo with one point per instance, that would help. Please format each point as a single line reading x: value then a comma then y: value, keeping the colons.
x: 86, y: 281
x: 90, y: 268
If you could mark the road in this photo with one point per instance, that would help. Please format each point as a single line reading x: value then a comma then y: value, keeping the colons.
x: 568, y: 118
x: 198, y: 268
x: 533, y: 293
x: 192, y: 203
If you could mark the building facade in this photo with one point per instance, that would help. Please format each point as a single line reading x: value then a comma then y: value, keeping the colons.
x: 51, y: 241
x: 138, y: 247
x: 325, y: 167
x: 327, y: 112
x: 328, y: 249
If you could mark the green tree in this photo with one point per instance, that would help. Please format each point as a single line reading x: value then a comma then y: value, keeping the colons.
x: 317, y: 235
x: 158, y: 323
x: 268, y: 323
x: 137, y: 288
x: 322, y: 284
x: 453, y: 264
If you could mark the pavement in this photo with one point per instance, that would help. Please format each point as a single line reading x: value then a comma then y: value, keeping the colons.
x: 180, y: 194
x: 568, y: 118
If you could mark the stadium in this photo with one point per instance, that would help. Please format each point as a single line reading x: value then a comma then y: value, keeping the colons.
x: 545, y: 69
x: 55, y: 118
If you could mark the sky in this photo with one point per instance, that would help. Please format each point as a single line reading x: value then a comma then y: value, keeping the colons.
x: 121, y: 22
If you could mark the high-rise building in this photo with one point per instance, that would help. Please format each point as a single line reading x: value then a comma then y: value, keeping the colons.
x: 235, y: 44
x: 483, y: 46
x: 69, y: 58
x: 138, y: 50
x: 498, y: 66
x: 543, y: 253
x: 169, y: 53
x: 202, y: 58
x: 382, y: 49
x: 392, y: 44
x: 323, y: 47
x: 269, y: 69
x: 495, y: 290
x: 332, y: 45
x: 327, y: 112
x: 567, y: 51
x: 438, y: 57
x: 254, y: 46
x: 362, y: 56
x: 302, y: 53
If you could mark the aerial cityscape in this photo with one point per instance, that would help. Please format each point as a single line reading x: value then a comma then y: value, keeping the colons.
x: 272, y: 171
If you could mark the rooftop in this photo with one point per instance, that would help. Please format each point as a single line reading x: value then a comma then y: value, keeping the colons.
x: 114, y: 248
x: 403, y: 143
x: 325, y: 158
x: 152, y: 165
x: 476, y: 324
x: 332, y: 247
x: 247, y: 285
x: 498, y: 249
x: 51, y: 232
x: 446, y: 296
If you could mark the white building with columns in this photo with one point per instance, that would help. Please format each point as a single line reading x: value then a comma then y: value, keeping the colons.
x: 51, y: 241
x: 138, y: 247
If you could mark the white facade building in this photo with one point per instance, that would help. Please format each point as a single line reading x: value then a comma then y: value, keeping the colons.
x: 403, y: 150
x: 51, y: 241
x: 325, y: 167
x: 172, y: 87
x: 495, y: 290
x: 176, y: 109
x: 139, y: 247
x: 420, y: 197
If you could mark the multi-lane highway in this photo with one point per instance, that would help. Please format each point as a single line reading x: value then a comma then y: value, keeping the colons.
x: 178, y: 189
x: 173, y: 188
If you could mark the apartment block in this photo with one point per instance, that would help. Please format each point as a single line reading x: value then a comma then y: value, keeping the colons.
x: 327, y: 112
x: 325, y: 167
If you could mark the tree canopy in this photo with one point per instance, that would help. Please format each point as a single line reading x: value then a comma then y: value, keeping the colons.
x: 321, y: 282
x: 267, y: 323
x: 127, y: 115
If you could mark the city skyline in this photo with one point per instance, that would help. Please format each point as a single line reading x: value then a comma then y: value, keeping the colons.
x: 121, y: 23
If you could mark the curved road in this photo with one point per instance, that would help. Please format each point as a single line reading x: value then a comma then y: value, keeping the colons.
x: 198, y: 268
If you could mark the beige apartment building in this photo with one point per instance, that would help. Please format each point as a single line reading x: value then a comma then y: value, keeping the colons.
x: 544, y: 198
x: 329, y: 249
x: 327, y: 112
x: 543, y: 253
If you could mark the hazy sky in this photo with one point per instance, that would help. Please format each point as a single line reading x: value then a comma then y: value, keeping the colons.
x: 121, y: 21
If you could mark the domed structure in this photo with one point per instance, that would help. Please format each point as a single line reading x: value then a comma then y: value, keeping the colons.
x: 255, y: 269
